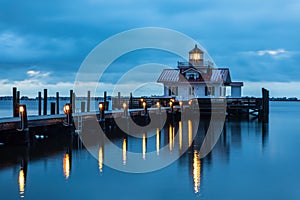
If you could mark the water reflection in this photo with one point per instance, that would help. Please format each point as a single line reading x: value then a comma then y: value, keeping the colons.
x: 190, y: 132
x: 66, y: 165
x: 171, y: 136
x: 157, y: 141
x: 124, y: 149
x: 180, y: 134
x: 100, y: 159
x: 144, y: 146
x: 196, y: 172
x: 22, y: 182
x: 235, y: 134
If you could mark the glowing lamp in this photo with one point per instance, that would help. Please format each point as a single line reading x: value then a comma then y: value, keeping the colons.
x: 21, y: 109
x: 100, y: 106
x: 67, y: 109
x: 157, y: 104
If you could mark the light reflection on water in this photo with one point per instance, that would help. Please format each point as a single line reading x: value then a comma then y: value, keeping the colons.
x: 66, y: 165
x: 243, y: 153
x: 22, y: 182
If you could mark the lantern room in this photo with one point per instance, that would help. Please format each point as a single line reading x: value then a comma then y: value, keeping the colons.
x: 196, y: 56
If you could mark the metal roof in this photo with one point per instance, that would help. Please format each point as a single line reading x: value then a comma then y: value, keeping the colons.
x: 169, y: 75
x: 217, y: 75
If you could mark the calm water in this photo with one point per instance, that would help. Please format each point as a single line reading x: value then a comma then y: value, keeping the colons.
x: 249, y: 162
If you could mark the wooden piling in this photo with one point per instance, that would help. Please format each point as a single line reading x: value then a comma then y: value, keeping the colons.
x: 18, y: 97
x: 265, y: 105
x: 52, y: 108
x: 57, y: 102
x: 45, y: 101
x: 71, y: 100
x: 15, y: 106
x: 119, y: 100
x: 130, y: 101
x: 88, y: 101
x: 24, y: 118
x: 82, y: 106
x: 40, y: 103
x: 105, y: 102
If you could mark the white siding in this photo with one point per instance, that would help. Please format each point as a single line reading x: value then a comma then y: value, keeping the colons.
x: 236, y: 91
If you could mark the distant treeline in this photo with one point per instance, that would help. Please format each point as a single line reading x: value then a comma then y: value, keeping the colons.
x: 284, y: 99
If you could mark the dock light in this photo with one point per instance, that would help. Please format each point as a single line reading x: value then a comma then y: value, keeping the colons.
x: 180, y: 103
x: 171, y: 106
x: 23, y: 113
x: 142, y: 99
x: 173, y: 100
x: 157, y: 104
x: 101, y: 109
x: 100, y: 106
x: 124, y: 105
x: 67, y: 109
x: 190, y: 102
x: 144, y: 105
x: 21, y: 109
x: 124, y: 108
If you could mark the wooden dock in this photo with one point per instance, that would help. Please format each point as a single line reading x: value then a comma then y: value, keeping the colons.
x: 138, y: 108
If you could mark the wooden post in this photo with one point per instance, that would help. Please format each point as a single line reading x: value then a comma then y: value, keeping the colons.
x: 15, y: 106
x: 101, y: 106
x: 71, y: 100
x: 265, y: 105
x: 104, y: 98
x: 45, y: 101
x: 18, y: 97
x: 40, y: 103
x: 82, y: 106
x: 119, y: 100
x: 88, y: 101
x: 57, y: 102
x: 24, y: 120
x: 130, y: 100
x: 52, y: 108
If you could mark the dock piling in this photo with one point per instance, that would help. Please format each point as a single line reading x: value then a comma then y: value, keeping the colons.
x: 52, y: 108
x: 45, y: 101
x: 88, y: 101
x: 82, y: 106
x: 15, y: 104
x: 40, y: 103
x: 24, y: 121
x: 71, y: 100
x: 105, y: 102
x: 57, y: 102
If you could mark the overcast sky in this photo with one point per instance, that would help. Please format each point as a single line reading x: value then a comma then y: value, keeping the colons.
x: 43, y: 43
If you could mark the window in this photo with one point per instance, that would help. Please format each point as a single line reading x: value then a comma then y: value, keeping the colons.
x: 173, y: 91
x: 191, y: 90
x: 209, y: 91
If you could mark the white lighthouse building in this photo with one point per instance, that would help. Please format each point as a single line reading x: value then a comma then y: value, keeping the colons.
x: 198, y: 79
